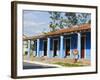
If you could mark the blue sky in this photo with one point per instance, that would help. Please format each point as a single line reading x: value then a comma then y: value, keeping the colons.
x: 35, y: 22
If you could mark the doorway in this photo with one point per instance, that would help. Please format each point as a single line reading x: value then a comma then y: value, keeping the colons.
x: 55, y: 44
x: 45, y: 48
x: 83, y: 41
x: 67, y: 47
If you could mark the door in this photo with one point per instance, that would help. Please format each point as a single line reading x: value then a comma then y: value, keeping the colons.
x: 67, y: 47
x: 83, y: 41
x: 55, y: 47
x: 45, y: 48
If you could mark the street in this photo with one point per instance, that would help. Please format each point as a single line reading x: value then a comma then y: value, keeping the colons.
x: 27, y: 65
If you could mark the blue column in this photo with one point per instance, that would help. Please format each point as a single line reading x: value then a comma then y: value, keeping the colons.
x: 79, y: 44
x: 48, y: 48
x: 29, y: 44
x: 38, y: 47
x: 61, y: 47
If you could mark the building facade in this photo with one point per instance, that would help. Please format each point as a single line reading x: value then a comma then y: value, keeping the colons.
x: 61, y: 43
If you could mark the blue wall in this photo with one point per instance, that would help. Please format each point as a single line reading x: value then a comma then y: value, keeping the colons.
x: 73, y: 44
x: 88, y: 45
x: 73, y: 41
x: 41, y: 45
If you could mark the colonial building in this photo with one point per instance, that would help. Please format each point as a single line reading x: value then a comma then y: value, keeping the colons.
x: 61, y: 43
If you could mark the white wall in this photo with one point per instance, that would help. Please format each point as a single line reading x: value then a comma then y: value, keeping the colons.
x: 5, y: 43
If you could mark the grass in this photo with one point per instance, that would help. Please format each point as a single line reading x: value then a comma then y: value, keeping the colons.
x: 68, y: 64
x: 65, y: 63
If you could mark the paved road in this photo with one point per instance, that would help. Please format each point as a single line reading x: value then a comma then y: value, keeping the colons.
x: 27, y: 65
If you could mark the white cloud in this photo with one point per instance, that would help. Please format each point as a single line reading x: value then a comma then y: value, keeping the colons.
x: 35, y: 22
x: 33, y: 28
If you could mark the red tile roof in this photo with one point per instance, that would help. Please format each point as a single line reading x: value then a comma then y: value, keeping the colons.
x: 75, y: 28
x: 71, y: 29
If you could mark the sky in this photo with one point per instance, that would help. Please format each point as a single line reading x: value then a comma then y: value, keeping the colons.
x: 36, y: 22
